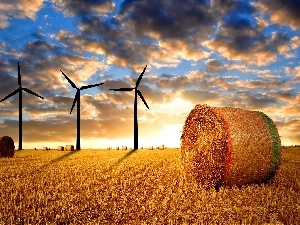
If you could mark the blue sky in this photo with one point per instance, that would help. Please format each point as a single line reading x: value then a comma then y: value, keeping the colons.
x: 229, y: 53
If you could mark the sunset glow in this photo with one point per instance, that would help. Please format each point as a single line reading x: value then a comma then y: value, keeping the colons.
x: 243, y: 54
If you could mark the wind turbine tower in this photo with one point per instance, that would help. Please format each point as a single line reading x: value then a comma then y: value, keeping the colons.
x: 77, y: 99
x: 136, y: 92
x: 19, y: 90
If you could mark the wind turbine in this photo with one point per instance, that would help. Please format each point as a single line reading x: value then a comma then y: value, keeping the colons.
x: 20, y: 103
x: 136, y: 92
x: 77, y: 99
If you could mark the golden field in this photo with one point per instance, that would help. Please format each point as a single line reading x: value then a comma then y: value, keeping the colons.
x: 147, y: 187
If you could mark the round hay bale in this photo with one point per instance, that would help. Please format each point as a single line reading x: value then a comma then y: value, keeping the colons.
x: 229, y: 146
x: 7, y: 147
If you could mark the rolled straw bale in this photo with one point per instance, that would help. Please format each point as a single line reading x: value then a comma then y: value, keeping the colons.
x: 162, y: 147
x: 117, y: 148
x: 151, y: 148
x: 60, y: 148
x: 124, y: 148
x: 69, y: 148
x: 229, y: 146
x: 7, y: 147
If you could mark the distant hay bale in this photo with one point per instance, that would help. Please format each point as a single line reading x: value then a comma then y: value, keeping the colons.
x: 229, y: 146
x: 117, y: 148
x: 7, y: 147
x: 124, y: 148
x: 162, y: 147
x: 69, y: 148
x: 60, y: 148
x: 45, y: 149
x: 151, y: 148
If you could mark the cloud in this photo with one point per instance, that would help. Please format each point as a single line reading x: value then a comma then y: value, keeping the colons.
x: 295, y: 42
x: 289, y: 131
x: 163, y: 19
x: 240, y: 39
x: 199, y: 96
x: 259, y: 101
x: 18, y: 9
x: 3, y: 21
x: 213, y: 65
x: 83, y: 8
x: 281, y: 12
x: 260, y: 84
x: 161, y: 33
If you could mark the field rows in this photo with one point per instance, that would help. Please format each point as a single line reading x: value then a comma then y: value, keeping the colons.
x: 148, y: 187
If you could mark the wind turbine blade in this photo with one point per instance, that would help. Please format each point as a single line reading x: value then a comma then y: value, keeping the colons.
x: 90, y: 86
x: 122, y: 89
x: 140, y: 77
x: 141, y: 96
x: 69, y: 80
x: 74, y: 102
x: 11, y: 94
x: 19, y: 74
x: 31, y: 92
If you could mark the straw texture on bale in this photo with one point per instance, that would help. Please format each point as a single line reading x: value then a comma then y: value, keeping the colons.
x: 7, y: 147
x: 229, y: 146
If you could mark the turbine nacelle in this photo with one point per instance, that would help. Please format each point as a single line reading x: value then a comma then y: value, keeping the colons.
x: 77, y: 95
x: 135, y: 88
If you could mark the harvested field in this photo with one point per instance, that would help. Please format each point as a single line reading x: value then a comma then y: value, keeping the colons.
x: 149, y: 187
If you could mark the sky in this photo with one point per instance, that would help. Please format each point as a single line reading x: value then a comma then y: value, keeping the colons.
x: 230, y: 53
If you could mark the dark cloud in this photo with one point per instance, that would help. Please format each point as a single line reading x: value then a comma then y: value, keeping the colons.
x: 83, y: 8
x: 8, y: 82
x: 242, y: 39
x: 213, y: 65
x: 282, y: 12
x: 168, y: 19
x: 152, y: 32
x: 224, y: 6
x: 257, y: 101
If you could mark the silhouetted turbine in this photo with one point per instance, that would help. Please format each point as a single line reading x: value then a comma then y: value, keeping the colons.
x: 77, y: 99
x: 20, y: 103
x: 136, y: 92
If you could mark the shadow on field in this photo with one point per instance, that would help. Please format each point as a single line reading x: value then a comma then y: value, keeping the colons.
x: 58, y: 159
x: 19, y: 150
x: 120, y: 160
